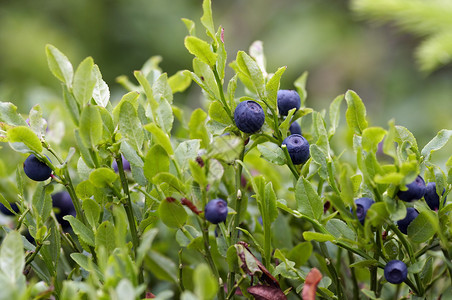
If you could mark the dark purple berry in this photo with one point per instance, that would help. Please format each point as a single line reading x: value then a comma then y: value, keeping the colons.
x: 411, y: 214
x: 36, y: 169
x: 63, y: 206
x: 431, y: 196
x: 249, y: 116
x: 298, y: 148
x: 125, y: 164
x: 396, y: 271
x: 295, y: 128
x: 362, y: 206
x: 216, y: 211
x: 286, y: 100
x: 6, y: 211
x: 416, y: 190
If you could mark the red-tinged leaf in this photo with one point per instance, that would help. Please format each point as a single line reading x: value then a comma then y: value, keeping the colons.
x: 265, y: 292
x: 310, y: 284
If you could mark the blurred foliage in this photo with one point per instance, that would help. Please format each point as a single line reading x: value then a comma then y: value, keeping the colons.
x: 322, y: 37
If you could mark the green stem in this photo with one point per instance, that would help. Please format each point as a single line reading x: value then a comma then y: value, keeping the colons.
x: 33, y: 255
x: 234, y: 288
x: 448, y: 263
x: 374, y: 269
x: 290, y: 163
x: 332, y: 270
x: 222, y: 97
x: 129, y: 211
x: 354, y: 280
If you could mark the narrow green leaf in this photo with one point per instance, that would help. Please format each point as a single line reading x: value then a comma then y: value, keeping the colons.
x: 91, y: 126
x: 206, y: 285
x: 272, y: 87
x: 372, y: 136
x: 23, y: 139
x: 191, y: 26
x: 91, y: 210
x: 197, y: 127
x: 201, y: 50
x: 171, y: 180
x: 101, y: 92
x: 179, y: 82
x: 72, y: 105
x: 207, y: 19
x: 339, y: 229
x: 42, y: 202
x: 105, y: 237
x: 59, y: 65
x: 145, y: 244
x: 309, y: 202
x: 131, y: 155
x: 130, y: 125
x: 198, y: 173
x: 439, y: 141
x: 83, y: 232
x: 300, y: 85
x: 160, y: 137
x: 356, y: 112
x: 103, y: 177
x: 205, y: 74
x: 161, y: 266
x: 272, y: 152
x: 334, y: 113
x: 12, y: 258
x: 84, y: 151
x: 269, y: 203
x: 156, y: 161
x: 84, y: 81
x: 249, y: 68
x: 172, y: 213
x: 317, y: 236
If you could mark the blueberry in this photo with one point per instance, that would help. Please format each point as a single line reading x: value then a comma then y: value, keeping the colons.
x: 6, y: 211
x: 396, y: 271
x: 298, y: 148
x: 295, y: 128
x: 63, y: 205
x: 249, y: 116
x: 411, y: 214
x: 287, y: 99
x: 416, y: 190
x: 216, y: 211
x: 431, y: 197
x: 36, y: 169
x: 125, y: 164
x: 362, y: 206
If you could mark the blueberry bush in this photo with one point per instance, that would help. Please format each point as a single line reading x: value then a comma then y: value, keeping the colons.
x: 134, y: 198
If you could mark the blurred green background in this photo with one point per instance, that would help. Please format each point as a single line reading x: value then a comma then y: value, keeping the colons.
x: 339, y: 49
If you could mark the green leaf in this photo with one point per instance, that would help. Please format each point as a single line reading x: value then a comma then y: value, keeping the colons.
x: 12, y: 258
x: 72, y: 105
x: 179, y: 82
x: 42, y: 202
x: 403, y: 135
x: 84, y: 81
x: 84, y: 151
x: 226, y: 148
x: 130, y: 125
x: 372, y: 136
x: 356, y: 112
x: 186, y: 151
x: 205, y: 78
x: 160, y: 137
x: 103, y: 177
x: 339, y: 229
x: 317, y: 236
x: 9, y: 115
x: 59, y: 65
x: 23, y: 139
x: 268, y: 204
x: 91, y: 210
x: 197, y: 127
x: 83, y: 232
x: 206, y: 286
x: 334, y: 113
x: 105, y: 237
x: 172, y: 213
x: 145, y: 244
x: 191, y: 26
x: 91, y: 126
x: 201, y: 50
x: 37, y: 123
x: 309, y: 202
x: 272, y: 152
x: 198, y: 173
x: 156, y: 161
x: 217, y: 113
x: 257, y: 52
x: 249, y: 68
x: 101, y: 92
x: 439, y: 141
x: 171, y: 180
x: 131, y: 155
x: 421, y: 229
x: 161, y: 266
x: 272, y: 87
x: 300, y: 253
x: 87, y: 264
x: 6, y: 204
x: 320, y: 158
x: 300, y: 84
x: 207, y: 19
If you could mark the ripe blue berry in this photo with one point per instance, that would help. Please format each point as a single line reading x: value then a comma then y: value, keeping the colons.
x: 249, y: 116
x: 411, y: 214
x: 286, y: 100
x: 295, y: 128
x: 362, y: 206
x: 298, y: 148
x: 416, y: 190
x: 396, y: 271
x: 431, y: 197
x: 6, y: 211
x: 216, y: 211
x: 125, y: 164
x: 62, y: 203
x: 36, y: 169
